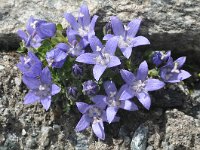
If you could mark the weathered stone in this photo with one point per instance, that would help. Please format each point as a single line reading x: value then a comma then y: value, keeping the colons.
x: 139, y: 140
x: 170, y: 24
x: 182, y: 131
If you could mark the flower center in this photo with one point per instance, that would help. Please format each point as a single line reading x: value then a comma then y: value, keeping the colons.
x: 83, y: 31
x: 124, y: 42
x: 43, y: 90
x: 103, y: 58
x: 175, y: 69
x: 34, y: 24
x: 112, y: 100
x: 94, y: 112
x: 138, y: 86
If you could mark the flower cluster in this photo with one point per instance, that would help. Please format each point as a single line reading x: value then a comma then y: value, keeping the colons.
x: 91, y: 74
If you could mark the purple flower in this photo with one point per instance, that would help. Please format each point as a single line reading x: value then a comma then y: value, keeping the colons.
x: 172, y: 72
x: 56, y: 57
x: 94, y: 114
x: 37, y: 30
x: 139, y: 85
x: 113, y: 102
x: 102, y: 57
x: 77, y: 70
x: 126, y: 35
x: 40, y: 89
x: 90, y: 87
x: 160, y: 57
x: 30, y: 65
x: 85, y: 26
x: 76, y: 47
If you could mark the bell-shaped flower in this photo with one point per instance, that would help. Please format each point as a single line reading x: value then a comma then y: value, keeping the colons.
x: 56, y: 57
x: 160, y: 57
x: 139, y: 85
x: 37, y: 30
x: 85, y: 26
x: 172, y: 72
x: 102, y: 57
x: 92, y: 114
x: 41, y: 89
x: 30, y: 65
x: 113, y: 102
x: 90, y: 88
x: 126, y: 35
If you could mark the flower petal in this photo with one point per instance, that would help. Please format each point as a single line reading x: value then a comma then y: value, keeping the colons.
x: 140, y: 40
x: 126, y: 51
x: 87, y: 58
x: 31, y: 83
x: 127, y: 76
x: 128, y: 105
x: 144, y: 99
x: 142, y: 71
x: 183, y: 75
x: 72, y: 21
x: 31, y: 98
x: 111, y: 46
x: 55, y: 89
x: 134, y: 26
x: 114, y: 61
x: 83, y: 123
x: 109, y: 87
x: 22, y: 35
x: 93, y: 22
x: 98, y: 129
x: 100, y: 101
x: 108, y: 36
x: 153, y: 84
x: 63, y: 46
x: 117, y: 26
x: 46, y: 30
x: 180, y: 61
x: 111, y: 113
x: 46, y: 76
x: 126, y: 93
x: 86, y: 15
x: 94, y: 42
x: 98, y: 70
x: 82, y: 107
x: 46, y: 102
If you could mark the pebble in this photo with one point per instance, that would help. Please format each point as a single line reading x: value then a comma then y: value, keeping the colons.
x: 23, y: 132
x: 1, y: 67
x: 139, y: 140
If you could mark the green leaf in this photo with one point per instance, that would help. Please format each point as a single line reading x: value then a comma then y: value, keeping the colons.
x: 153, y: 73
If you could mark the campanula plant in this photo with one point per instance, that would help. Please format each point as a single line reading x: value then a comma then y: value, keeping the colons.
x: 91, y: 73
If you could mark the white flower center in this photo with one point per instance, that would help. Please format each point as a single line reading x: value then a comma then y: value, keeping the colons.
x: 122, y: 43
x: 33, y: 25
x: 83, y: 31
x: 126, y: 28
x: 138, y: 86
x: 27, y: 60
x: 175, y: 69
x: 103, y: 59
x: 94, y: 112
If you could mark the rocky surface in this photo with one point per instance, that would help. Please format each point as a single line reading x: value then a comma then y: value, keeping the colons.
x: 164, y: 127
x: 169, y: 24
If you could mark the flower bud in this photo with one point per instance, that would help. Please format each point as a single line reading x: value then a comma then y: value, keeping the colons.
x: 77, y: 70
x: 90, y: 88
x: 72, y: 92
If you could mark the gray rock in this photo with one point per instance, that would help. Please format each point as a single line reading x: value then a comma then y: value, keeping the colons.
x: 181, y: 132
x: 168, y: 21
x: 31, y: 143
x: 12, y: 142
x: 139, y: 140
x: 82, y: 141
